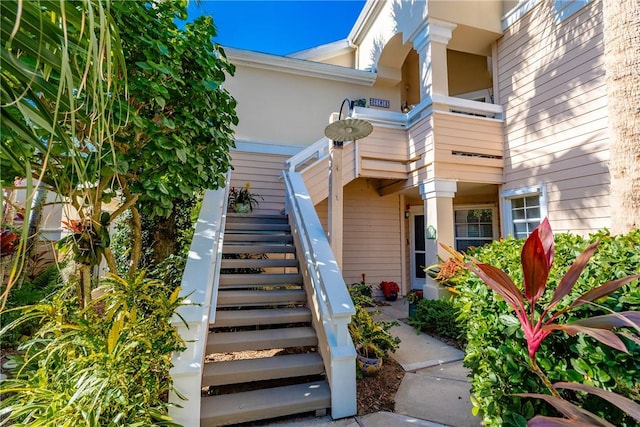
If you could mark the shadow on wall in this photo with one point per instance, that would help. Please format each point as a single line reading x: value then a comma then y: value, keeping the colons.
x: 556, y: 117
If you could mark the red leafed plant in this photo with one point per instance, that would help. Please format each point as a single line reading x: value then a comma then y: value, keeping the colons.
x: 390, y: 290
x: 538, y: 322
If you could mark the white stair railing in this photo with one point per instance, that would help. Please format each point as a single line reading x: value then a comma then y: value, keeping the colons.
x: 200, y: 288
x: 327, y: 293
x: 318, y: 150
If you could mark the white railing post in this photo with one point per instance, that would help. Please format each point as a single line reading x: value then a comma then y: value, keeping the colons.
x: 199, y: 288
x: 332, y: 304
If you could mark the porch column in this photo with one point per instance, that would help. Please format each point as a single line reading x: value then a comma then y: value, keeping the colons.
x: 438, y: 217
x: 430, y: 42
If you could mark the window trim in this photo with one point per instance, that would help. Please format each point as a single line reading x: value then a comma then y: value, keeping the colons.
x: 508, y: 195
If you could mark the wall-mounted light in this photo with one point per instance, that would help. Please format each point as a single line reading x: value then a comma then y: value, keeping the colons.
x: 407, y: 214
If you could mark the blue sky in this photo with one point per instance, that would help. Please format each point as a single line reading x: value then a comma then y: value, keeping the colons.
x: 279, y: 27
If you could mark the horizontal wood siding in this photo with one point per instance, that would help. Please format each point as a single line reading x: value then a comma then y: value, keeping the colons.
x: 464, y: 147
x: 384, y: 154
x: 551, y: 83
x: 420, y: 144
x: 371, y: 234
x: 316, y: 178
x: 263, y: 171
x: 371, y: 240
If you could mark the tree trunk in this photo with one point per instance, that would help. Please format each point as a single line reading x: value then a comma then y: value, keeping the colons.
x: 622, y: 62
x: 164, y: 238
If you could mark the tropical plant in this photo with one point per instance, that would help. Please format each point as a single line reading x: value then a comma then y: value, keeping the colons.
x: 361, y: 294
x: 62, y: 74
x: 372, y: 338
x: 414, y: 296
x: 103, y: 366
x: 243, y: 196
x: 537, y: 324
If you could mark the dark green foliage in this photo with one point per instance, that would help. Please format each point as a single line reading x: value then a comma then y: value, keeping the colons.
x: 177, y: 140
x: 170, y: 269
x: 497, y: 353
x: 103, y: 366
x: 439, y: 317
x: 36, y: 291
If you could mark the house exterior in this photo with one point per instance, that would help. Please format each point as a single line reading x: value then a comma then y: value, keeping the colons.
x: 487, y: 116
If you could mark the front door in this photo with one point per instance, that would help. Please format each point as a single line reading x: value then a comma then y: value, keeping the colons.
x: 418, y: 251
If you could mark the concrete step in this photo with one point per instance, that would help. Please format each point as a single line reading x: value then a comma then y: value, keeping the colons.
x: 259, y: 279
x: 267, y: 368
x: 257, y: 297
x: 259, y: 317
x: 228, y: 342
x: 264, y: 404
x: 259, y: 263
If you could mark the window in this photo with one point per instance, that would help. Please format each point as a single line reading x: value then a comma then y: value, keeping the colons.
x: 524, y: 210
x: 473, y: 227
x: 566, y: 8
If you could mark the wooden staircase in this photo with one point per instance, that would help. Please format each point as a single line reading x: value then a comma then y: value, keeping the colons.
x: 261, y: 312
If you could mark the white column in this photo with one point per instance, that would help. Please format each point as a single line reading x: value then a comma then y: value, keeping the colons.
x: 430, y: 42
x: 438, y: 197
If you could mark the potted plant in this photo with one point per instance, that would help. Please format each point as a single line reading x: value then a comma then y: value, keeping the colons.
x: 390, y: 290
x: 242, y: 200
x: 372, y: 340
x: 413, y: 297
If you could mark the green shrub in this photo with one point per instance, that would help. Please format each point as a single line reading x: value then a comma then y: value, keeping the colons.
x: 496, y: 350
x: 439, y: 317
x: 107, y: 364
x: 361, y: 294
x: 39, y: 289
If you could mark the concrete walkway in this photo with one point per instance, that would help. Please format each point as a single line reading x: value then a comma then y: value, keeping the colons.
x: 434, y: 391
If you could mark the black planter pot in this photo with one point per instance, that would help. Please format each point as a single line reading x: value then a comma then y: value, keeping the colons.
x: 392, y: 296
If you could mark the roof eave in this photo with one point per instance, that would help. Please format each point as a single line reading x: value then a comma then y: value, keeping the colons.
x: 300, y: 67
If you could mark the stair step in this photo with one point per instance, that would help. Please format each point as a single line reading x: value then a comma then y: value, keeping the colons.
x: 267, y: 368
x: 258, y: 317
x: 252, y: 238
x: 259, y: 263
x: 249, y: 280
x: 228, y: 342
x: 234, y: 217
x: 247, y: 298
x: 264, y: 404
x: 256, y: 226
x: 257, y: 249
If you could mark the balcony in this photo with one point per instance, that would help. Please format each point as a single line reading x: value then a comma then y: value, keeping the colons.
x: 444, y: 137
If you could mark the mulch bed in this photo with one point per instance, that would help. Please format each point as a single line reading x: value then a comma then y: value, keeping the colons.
x: 378, y: 392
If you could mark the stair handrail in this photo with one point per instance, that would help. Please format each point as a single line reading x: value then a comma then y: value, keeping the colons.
x: 332, y: 305
x: 199, y: 287
x: 319, y: 150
